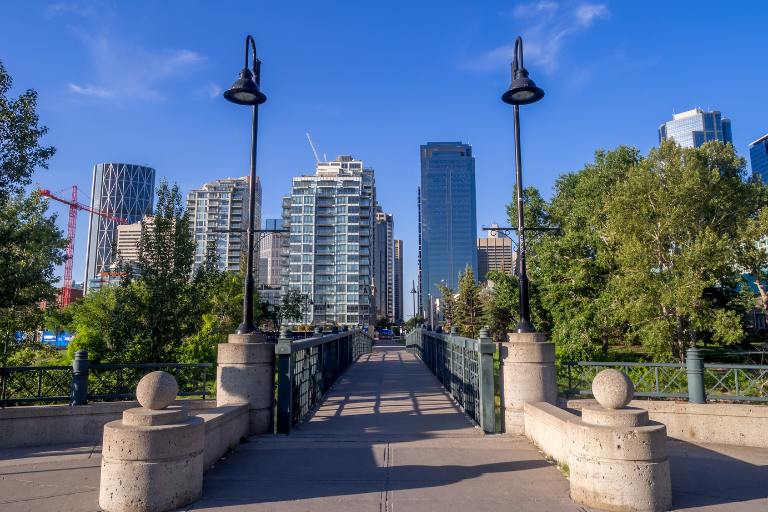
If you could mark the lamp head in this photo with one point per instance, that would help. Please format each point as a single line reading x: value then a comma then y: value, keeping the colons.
x: 245, y: 90
x: 522, y: 90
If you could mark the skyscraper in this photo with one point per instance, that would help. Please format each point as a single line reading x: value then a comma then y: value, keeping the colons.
x: 271, y: 250
x: 330, y: 217
x: 693, y: 128
x: 124, y: 191
x: 758, y: 157
x: 218, y: 217
x: 384, y: 265
x: 494, y: 252
x: 398, y: 281
x: 448, y: 215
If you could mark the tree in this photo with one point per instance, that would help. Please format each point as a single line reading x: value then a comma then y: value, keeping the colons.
x: 501, y: 304
x: 571, y: 268
x: 413, y: 322
x: 468, y: 308
x: 30, y: 243
x: 291, y: 306
x: 448, y: 304
x: 677, y: 243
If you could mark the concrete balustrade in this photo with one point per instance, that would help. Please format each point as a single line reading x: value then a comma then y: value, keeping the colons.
x: 526, y: 374
x: 617, y: 459
x: 246, y: 374
x: 154, y: 457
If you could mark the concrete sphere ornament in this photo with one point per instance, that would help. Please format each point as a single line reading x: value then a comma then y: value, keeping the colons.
x: 613, y: 389
x: 157, y: 390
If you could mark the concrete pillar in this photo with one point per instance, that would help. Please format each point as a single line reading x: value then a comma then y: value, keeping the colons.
x: 618, y: 459
x: 526, y: 374
x: 152, y: 459
x: 246, y: 374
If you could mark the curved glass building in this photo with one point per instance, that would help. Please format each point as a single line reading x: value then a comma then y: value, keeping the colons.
x: 124, y: 191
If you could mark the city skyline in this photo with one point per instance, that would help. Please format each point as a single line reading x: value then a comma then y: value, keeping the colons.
x: 153, y: 89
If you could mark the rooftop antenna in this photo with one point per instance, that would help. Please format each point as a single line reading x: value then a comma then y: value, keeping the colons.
x: 311, y: 145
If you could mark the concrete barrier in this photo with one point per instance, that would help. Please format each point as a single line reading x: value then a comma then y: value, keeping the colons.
x: 154, y: 457
x: 718, y: 423
x: 44, y: 425
x: 617, y: 460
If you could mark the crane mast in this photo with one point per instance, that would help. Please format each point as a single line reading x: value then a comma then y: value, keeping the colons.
x: 74, y: 206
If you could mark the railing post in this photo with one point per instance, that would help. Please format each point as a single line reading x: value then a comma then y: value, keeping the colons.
x: 695, y: 369
x: 80, y: 366
x: 486, y: 348
x: 284, y: 382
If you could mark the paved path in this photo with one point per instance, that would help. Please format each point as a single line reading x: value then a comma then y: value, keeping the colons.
x: 388, y: 438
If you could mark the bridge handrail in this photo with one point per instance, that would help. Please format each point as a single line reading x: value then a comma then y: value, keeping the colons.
x: 83, y: 381
x: 716, y: 381
x: 307, y: 368
x: 464, y: 366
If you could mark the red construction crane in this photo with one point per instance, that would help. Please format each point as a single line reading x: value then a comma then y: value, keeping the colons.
x: 74, y: 206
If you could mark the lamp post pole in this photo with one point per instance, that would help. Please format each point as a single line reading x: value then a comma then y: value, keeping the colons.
x: 522, y: 91
x: 413, y: 296
x: 245, y: 91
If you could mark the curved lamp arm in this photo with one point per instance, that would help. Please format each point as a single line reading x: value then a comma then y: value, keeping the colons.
x: 250, y: 42
x: 518, y: 57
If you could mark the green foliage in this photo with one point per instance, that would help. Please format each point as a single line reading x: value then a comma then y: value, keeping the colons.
x: 291, y: 306
x: 382, y: 323
x: 500, y: 304
x: 468, y: 309
x: 30, y: 243
x: 414, y: 321
x: 448, y: 305
x: 650, y: 251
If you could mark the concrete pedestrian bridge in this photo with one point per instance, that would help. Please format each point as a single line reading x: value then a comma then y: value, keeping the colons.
x: 388, y: 436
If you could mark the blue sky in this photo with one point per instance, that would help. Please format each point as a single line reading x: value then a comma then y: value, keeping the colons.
x: 141, y: 82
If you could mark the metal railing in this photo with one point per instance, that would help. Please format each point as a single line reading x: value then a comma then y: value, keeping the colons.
x: 465, y: 368
x: 83, y: 381
x: 307, y: 368
x: 695, y: 380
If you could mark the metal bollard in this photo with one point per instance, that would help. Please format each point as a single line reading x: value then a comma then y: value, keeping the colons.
x: 486, y: 349
x: 80, y: 366
x: 695, y: 369
x: 284, y: 382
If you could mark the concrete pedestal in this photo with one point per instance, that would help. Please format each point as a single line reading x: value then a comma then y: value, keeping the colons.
x: 526, y: 374
x: 618, y: 461
x: 152, y: 461
x: 246, y: 374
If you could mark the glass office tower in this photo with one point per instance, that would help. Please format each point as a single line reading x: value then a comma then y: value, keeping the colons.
x: 448, y: 216
x: 330, y: 216
x: 758, y: 157
x: 693, y: 128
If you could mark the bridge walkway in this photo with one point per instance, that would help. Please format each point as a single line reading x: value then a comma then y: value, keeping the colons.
x: 386, y: 438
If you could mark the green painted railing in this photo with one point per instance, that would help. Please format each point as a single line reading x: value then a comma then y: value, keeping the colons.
x: 307, y: 368
x: 465, y: 368
x: 82, y: 381
x: 697, y: 381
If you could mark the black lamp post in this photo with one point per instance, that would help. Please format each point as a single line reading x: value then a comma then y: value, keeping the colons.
x: 413, y: 296
x: 245, y: 91
x: 522, y: 91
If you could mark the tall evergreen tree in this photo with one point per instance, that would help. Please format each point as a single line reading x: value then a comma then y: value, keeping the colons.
x: 468, y: 308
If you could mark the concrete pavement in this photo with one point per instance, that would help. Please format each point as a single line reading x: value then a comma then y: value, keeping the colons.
x: 387, y: 438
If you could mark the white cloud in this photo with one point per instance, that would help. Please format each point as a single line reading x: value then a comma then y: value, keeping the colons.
x: 118, y: 67
x: 91, y: 90
x: 213, y: 90
x: 548, y: 25
x: 587, y: 13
